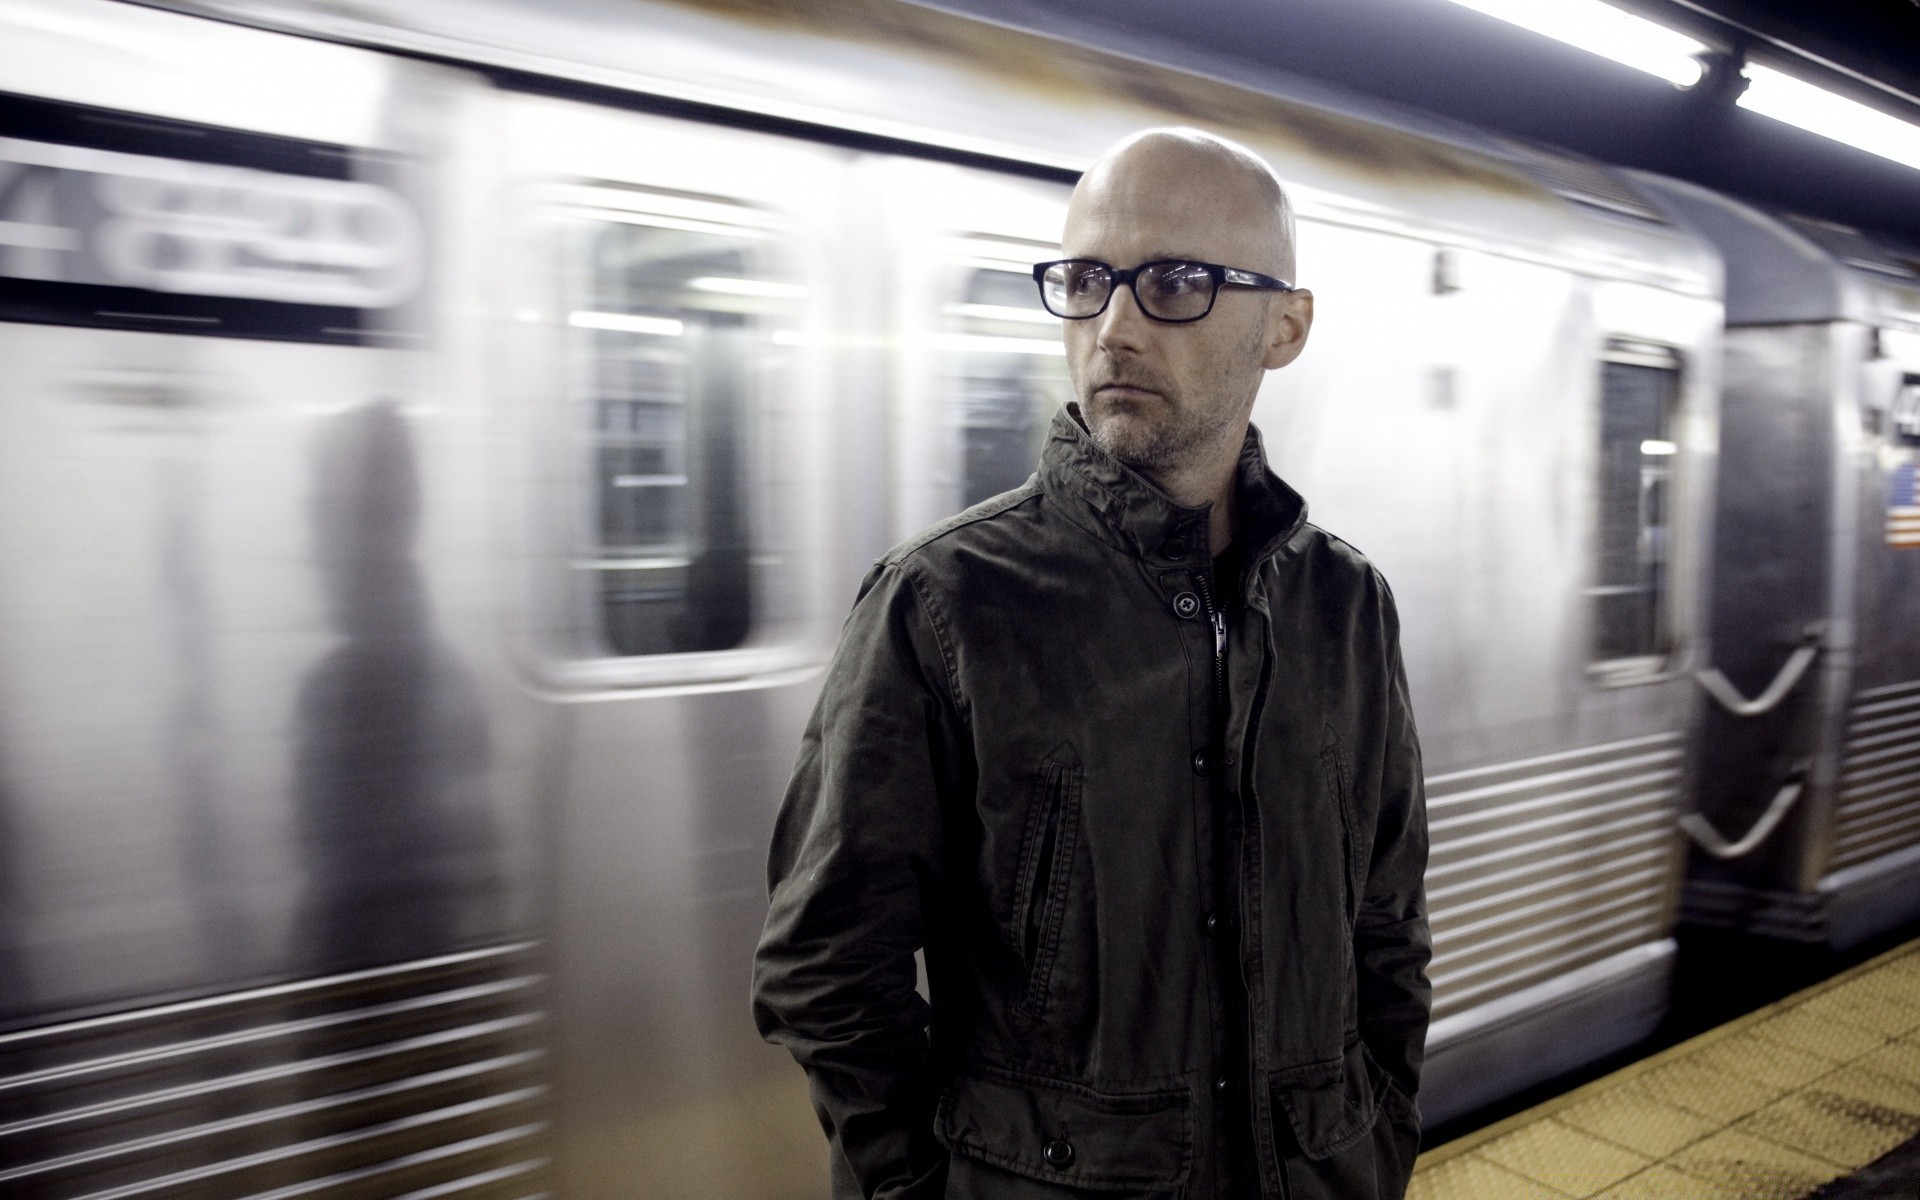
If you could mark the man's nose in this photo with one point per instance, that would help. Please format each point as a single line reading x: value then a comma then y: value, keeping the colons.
x: 1123, y: 327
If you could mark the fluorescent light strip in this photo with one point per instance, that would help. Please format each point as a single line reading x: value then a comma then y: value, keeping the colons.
x: 1604, y: 30
x: 747, y: 287
x: 1785, y: 98
x: 627, y: 323
x: 1658, y: 446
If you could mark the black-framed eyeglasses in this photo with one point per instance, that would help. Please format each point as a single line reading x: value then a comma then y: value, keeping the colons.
x: 1174, y: 290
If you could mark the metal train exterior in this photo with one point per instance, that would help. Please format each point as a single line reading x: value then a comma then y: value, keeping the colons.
x: 1809, y: 777
x: 439, y: 445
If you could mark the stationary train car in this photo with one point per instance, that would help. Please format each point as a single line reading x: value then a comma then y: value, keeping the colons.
x: 1808, y: 809
x: 439, y: 444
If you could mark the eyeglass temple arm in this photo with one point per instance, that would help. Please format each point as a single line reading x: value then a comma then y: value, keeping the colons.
x: 1255, y: 279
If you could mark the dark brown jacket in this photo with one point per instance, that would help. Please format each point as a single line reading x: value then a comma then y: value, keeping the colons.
x: 1019, y: 764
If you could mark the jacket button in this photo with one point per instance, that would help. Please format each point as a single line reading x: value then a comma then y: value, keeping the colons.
x: 1176, y: 548
x: 1186, y: 604
x: 1058, y: 1153
x: 1220, y: 1084
x: 1199, y: 762
x: 1212, y: 922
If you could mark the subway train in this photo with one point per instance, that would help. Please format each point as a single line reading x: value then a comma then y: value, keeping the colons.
x: 440, y: 442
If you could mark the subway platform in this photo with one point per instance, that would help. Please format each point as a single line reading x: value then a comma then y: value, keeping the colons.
x: 1815, y: 1096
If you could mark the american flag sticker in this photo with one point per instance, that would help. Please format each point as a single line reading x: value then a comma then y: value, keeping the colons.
x: 1903, y: 515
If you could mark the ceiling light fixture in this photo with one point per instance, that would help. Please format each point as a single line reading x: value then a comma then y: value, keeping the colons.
x: 1604, y: 30
x: 1787, y: 98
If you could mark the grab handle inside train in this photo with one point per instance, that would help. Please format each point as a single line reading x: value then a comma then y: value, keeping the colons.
x: 1721, y: 688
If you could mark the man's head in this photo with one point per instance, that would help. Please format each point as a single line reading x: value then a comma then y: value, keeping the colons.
x: 1163, y: 397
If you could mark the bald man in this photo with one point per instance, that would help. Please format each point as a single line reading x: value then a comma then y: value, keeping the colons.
x: 1127, y: 753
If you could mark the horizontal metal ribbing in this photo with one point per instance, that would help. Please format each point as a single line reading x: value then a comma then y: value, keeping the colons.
x: 283, y: 1071
x: 252, y: 996
x: 1533, y: 783
x: 1531, y: 924
x: 1878, y: 807
x: 466, y: 1184
x: 1515, y: 904
x: 268, y: 1116
x: 1454, y: 994
x: 1567, y: 800
x: 1574, y: 843
x: 1910, y: 687
x: 1661, y: 799
x: 1653, y: 839
x: 179, y: 1179
x: 1543, y: 763
x: 1545, y: 863
x: 422, y: 1077
x: 1528, y: 960
x: 1894, y: 830
x: 279, y: 1030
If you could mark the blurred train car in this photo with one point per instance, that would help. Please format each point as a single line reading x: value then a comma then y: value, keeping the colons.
x: 440, y: 442
x: 1809, y: 798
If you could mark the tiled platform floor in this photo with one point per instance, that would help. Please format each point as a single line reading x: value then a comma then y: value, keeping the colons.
x: 1773, y: 1106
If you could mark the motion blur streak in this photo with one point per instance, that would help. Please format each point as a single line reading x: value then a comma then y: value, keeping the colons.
x: 436, y: 459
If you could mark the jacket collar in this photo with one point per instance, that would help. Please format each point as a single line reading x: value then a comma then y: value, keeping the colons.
x: 1122, y: 508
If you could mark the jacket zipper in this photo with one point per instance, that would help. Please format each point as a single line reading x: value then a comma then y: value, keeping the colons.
x: 1218, y: 620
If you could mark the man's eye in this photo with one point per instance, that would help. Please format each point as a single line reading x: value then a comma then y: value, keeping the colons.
x: 1181, y: 283
x: 1085, y: 282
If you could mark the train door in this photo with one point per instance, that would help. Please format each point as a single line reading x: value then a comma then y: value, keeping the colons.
x: 263, y: 822
x: 670, y: 305
x: 980, y: 367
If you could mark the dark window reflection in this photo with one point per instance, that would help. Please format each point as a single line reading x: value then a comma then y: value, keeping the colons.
x: 672, y: 322
x: 1635, y: 486
x: 1011, y: 379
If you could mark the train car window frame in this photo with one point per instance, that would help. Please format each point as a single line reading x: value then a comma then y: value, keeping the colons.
x: 581, y: 452
x: 1656, y: 514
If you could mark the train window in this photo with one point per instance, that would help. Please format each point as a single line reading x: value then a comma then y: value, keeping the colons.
x: 1639, y: 390
x: 1904, y: 414
x: 1010, y: 375
x: 669, y: 323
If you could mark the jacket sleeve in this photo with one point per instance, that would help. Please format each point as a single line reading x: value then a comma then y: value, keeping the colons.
x: 1391, y: 941
x: 854, y: 866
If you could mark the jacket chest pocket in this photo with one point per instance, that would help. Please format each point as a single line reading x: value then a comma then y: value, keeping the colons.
x: 1045, y: 874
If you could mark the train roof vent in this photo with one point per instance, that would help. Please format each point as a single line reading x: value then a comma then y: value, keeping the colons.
x: 1582, y: 180
x: 1856, y: 249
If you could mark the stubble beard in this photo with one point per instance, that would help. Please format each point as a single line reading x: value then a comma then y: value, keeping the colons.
x: 1155, y: 443
x: 1160, y: 437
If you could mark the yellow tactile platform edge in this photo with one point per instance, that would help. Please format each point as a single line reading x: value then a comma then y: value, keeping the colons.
x: 1771, y: 1106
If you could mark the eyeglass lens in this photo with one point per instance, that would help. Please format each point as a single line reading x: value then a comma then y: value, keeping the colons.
x: 1170, y: 291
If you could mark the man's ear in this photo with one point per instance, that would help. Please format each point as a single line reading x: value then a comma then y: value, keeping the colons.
x: 1291, y: 320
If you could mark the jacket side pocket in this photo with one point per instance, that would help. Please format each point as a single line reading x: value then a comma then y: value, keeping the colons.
x: 1333, y: 765
x: 1046, y: 869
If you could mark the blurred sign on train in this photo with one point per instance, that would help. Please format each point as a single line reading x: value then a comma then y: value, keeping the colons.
x: 129, y: 221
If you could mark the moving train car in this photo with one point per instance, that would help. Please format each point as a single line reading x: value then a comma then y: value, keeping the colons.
x: 440, y: 442
x: 1809, y: 797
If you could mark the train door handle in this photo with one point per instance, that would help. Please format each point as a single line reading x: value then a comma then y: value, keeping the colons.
x: 1721, y: 688
x: 1710, y: 839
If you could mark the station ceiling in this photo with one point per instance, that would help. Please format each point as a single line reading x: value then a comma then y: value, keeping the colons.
x: 1442, y: 59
